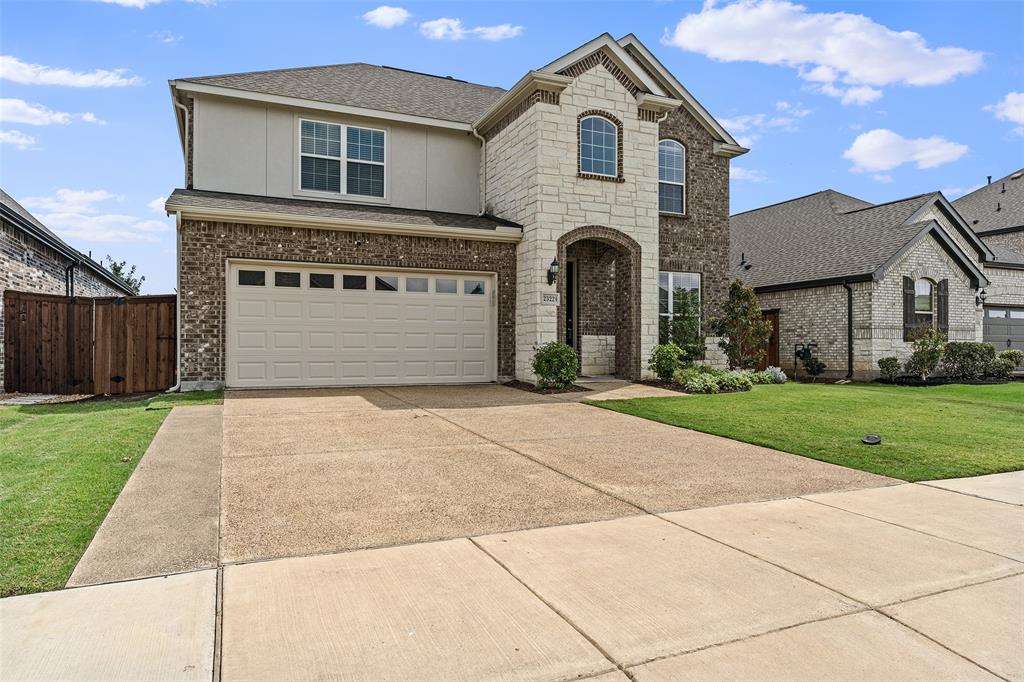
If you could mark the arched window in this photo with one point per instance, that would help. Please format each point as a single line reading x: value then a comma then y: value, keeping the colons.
x: 671, y: 177
x: 924, y: 302
x: 599, y: 153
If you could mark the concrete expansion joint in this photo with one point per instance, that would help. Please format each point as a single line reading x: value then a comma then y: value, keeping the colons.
x: 929, y: 484
x: 915, y: 530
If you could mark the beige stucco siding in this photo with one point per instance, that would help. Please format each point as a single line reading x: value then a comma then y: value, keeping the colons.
x: 251, y: 148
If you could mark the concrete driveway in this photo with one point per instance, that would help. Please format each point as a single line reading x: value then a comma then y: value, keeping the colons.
x: 315, y: 471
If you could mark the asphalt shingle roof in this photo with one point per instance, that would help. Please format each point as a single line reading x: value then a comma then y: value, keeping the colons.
x: 826, y: 235
x: 381, y: 88
x: 997, y: 205
x: 1003, y: 254
x: 330, y: 209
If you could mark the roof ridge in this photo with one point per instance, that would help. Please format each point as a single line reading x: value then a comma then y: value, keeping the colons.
x: 1008, y: 176
x: 329, y: 66
x: 893, y: 201
x: 789, y: 201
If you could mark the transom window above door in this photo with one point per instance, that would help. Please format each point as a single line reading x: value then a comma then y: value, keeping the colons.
x: 323, y: 147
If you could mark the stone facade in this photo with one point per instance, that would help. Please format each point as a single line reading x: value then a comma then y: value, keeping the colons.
x: 206, y: 246
x: 27, y: 264
x: 532, y: 179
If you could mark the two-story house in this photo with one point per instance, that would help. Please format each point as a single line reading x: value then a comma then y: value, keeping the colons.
x: 359, y: 225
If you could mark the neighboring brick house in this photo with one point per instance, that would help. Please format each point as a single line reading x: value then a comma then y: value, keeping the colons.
x: 854, y: 280
x: 356, y: 224
x: 34, y: 259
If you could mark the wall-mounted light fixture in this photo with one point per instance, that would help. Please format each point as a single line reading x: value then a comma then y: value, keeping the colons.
x: 553, y: 271
x: 980, y: 298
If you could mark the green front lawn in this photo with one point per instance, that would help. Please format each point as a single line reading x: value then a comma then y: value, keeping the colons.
x: 61, y: 468
x: 927, y: 433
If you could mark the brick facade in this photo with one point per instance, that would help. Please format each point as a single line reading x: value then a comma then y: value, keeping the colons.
x: 206, y: 246
x: 27, y: 264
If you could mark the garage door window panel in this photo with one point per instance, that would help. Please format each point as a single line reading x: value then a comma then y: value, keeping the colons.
x: 252, y: 278
x: 473, y: 287
x: 319, y: 280
x: 292, y: 280
x: 353, y: 282
x: 446, y: 286
x: 416, y: 284
x: 385, y: 283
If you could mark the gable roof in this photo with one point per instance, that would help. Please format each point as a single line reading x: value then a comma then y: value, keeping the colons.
x: 17, y: 215
x: 365, y: 86
x: 996, y: 207
x: 830, y: 237
x: 1005, y: 257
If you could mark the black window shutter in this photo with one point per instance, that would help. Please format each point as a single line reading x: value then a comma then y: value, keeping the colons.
x: 908, y: 308
x: 942, y: 306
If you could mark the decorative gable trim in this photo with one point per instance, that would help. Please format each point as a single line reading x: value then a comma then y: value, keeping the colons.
x: 601, y: 58
x: 648, y: 115
x: 545, y: 96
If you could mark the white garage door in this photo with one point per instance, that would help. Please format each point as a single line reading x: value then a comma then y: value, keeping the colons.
x: 296, y: 325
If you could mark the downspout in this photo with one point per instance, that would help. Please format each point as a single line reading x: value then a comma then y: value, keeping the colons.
x: 849, y: 330
x: 177, y: 304
x: 184, y: 133
x: 69, y: 277
x: 483, y: 169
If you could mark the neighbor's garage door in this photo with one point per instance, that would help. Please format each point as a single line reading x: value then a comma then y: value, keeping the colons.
x: 295, y: 325
x: 1004, y: 327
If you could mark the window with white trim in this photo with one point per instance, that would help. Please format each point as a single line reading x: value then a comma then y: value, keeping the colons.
x: 321, y: 167
x: 679, y: 303
x: 599, y: 146
x: 671, y: 177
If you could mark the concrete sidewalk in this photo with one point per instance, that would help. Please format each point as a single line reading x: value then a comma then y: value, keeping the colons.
x: 907, y: 582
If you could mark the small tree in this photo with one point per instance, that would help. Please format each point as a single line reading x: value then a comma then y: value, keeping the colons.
x: 743, y: 330
x: 813, y: 365
x: 665, y: 361
x: 125, y: 273
x: 683, y: 328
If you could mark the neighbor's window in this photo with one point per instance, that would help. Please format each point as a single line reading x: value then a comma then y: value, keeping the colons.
x: 321, y: 153
x: 598, y: 146
x: 321, y: 156
x: 671, y: 177
x: 252, y: 278
x: 924, y: 302
x: 679, y: 310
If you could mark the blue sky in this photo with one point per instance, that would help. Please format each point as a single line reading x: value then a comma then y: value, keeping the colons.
x: 827, y: 94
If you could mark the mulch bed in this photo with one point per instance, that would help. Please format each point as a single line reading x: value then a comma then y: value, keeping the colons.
x: 531, y: 388
x: 667, y: 385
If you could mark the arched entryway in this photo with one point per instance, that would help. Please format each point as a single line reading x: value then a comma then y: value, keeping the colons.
x: 599, y: 313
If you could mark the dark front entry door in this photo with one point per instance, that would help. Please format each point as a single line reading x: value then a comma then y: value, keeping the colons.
x: 570, y: 304
x: 771, y: 357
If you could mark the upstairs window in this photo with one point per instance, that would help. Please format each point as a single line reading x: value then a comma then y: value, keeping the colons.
x: 671, y: 177
x: 326, y: 167
x: 599, y: 148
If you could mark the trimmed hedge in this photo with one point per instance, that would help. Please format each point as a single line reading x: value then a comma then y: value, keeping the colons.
x: 968, y: 360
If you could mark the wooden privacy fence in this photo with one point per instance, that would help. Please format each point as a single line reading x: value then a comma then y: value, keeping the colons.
x: 60, y: 344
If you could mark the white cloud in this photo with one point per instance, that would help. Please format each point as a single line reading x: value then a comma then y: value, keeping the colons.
x: 747, y: 174
x: 143, y: 4
x: 157, y: 204
x: 165, y: 37
x: 1011, y: 109
x: 76, y: 214
x: 843, y: 55
x: 13, y: 69
x: 452, y: 29
x: 882, y: 150
x: 882, y: 177
x: 952, y: 193
x: 386, y: 16
x: 20, y: 111
x: 499, y: 32
x: 16, y: 138
x: 748, y: 128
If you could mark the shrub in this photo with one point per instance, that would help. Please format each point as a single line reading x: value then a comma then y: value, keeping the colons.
x: 743, y: 329
x: 701, y: 383
x: 762, y: 377
x: 778, y: 376
x: 685, y: 374
x: 890, y: 368
x: 665, y: 360
x: 812, y: 365
x: 556, y: 365
x: 713, y: 371
x: 929, y: 347
x: 967, y: 360
x: 735, y: 381
x: 1013, y: 355
x: 1001, y: 368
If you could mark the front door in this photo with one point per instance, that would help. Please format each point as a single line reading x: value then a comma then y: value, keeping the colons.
x: 771, y: 357
x: 570, y: 304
